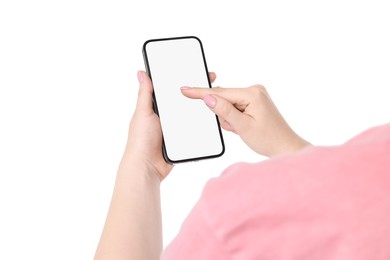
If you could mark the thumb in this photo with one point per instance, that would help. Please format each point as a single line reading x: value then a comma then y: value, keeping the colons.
x: 145, y: 92
x: 226, y: 111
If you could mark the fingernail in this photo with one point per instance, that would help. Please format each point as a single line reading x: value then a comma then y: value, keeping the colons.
x: 184, y: 88
x: 140, y: 76
x: 210, y: 101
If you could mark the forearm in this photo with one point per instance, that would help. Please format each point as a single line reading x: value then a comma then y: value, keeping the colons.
x: 133, y: 228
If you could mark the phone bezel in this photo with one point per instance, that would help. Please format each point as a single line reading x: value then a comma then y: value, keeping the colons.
x: 155, y: 106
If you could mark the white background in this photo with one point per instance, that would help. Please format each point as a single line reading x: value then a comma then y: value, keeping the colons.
x: 68, y: 87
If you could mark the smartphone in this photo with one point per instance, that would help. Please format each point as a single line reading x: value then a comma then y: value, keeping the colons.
x: 190, y: 131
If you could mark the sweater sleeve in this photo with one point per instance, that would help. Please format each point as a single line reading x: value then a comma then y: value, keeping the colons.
x: 321, y: 203
x: 197, y: 238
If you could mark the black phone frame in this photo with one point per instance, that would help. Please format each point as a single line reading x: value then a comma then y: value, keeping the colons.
x: 155, y: 107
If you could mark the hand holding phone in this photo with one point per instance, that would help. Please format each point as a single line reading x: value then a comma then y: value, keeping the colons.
x: 190, y: 131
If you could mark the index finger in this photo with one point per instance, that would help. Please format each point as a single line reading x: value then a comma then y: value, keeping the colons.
x: 233, y: 95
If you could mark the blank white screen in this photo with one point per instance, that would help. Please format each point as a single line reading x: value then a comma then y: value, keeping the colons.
x: 190, y: 129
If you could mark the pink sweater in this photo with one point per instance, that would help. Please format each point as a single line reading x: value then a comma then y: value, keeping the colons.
x: 321, y: 203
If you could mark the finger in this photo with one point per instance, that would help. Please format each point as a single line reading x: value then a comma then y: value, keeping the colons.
x: 225, y: 125
x: 145, y: 92
x: 212, y: 76
x: 237, y: 96
x: 226, y: 111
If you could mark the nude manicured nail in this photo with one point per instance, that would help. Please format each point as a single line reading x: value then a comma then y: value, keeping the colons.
x: 185, y: 88
x: 210, y: 101
x: 140, y: 76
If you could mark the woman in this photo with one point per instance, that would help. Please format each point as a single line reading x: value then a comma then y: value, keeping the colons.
x: 304, y: 203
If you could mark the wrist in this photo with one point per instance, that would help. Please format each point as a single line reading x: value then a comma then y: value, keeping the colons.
x: 300, y: 144
x: 290, y: 146
x: 136, y: 167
